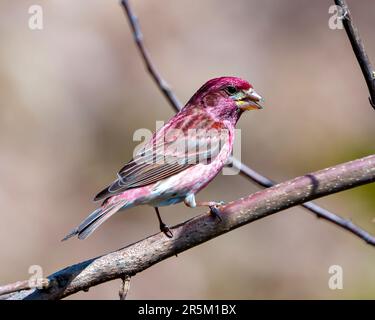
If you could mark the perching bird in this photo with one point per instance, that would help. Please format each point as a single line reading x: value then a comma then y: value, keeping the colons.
x: 182, y: 157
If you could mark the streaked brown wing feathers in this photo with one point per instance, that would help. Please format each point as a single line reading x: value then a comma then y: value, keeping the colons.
x: 149, y: 165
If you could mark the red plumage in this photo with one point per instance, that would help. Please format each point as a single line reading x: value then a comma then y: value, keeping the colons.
x: 182, y: 157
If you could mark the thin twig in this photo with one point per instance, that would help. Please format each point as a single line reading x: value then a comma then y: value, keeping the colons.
x: 138, y: 38
x: 245, y: 170
x: 125, y: 286
x: 147, y: 252
x: 358, y: 48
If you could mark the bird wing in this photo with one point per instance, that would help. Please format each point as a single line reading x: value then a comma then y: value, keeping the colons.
x: 170, y: 151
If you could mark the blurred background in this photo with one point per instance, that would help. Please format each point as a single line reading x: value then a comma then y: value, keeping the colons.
x: 73, y: 94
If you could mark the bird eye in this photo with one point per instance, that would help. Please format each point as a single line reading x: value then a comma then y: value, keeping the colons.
x: 231, y: 90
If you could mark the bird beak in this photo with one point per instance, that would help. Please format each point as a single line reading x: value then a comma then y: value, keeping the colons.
x: 250, y: 100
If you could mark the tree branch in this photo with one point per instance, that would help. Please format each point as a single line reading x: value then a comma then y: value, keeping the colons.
x: 319, y: 211
x: 124, y: 289
x: 359, y: 49
x: 245, y: 170
x: 138, y: 38
x: 143, y: 254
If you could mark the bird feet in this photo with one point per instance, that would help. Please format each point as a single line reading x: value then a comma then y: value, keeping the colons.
x: 214, y: 209
x: 166, y: 230
x: 163, y: 227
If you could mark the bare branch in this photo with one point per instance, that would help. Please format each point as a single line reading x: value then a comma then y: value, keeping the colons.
x: 245, y: 170
x: 138, y: 38
x: 359, y: 49
x: 125, y: 286
x: 143, y: 254
x: 311, y: 206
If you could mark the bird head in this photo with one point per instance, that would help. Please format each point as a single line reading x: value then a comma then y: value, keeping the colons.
x: 226, y: 98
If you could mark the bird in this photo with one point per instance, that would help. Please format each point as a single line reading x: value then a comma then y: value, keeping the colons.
x: 181, y: 158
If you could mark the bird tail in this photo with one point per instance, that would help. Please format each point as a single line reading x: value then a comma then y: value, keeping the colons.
x: 94, y: 220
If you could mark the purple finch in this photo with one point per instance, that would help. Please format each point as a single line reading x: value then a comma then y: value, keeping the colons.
x: 182, y: 157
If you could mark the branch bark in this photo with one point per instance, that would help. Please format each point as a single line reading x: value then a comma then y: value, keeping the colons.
x: 359, y: 49
x: 143, y: 254
x: 245, y: 170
